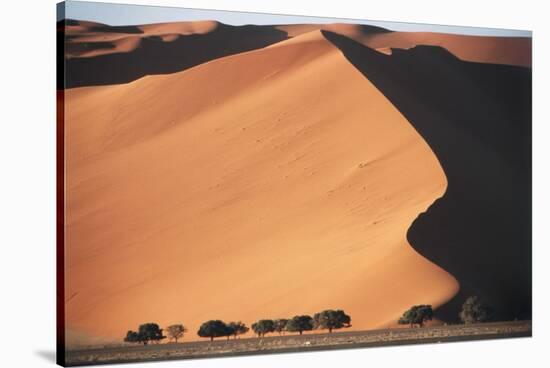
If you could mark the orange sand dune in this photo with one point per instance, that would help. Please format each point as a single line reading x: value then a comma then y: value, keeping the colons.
x: 486, y: 208
x: 260, y: 185
x: 493, y: 50
x: 135, y: 51
x: 131, y: 52
x: 481, y: 49
x: 88, y: 39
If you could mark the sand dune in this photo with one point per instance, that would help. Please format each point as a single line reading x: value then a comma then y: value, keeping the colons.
x: 476, y: 118
x: 481, y: 49
x: 264, y: 184
x: 102, y: 56
x: 492, y: 50
x: 98, y: 54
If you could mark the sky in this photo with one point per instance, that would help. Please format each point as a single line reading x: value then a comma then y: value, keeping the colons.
x: 124, y: 14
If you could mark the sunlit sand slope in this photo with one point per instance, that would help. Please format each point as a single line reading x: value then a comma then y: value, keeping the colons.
x: 259, y: 185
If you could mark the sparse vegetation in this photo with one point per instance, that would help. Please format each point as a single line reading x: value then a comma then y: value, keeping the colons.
x: 417, y: 315
x: 475, y: 310
x: 147, y: 332
x: 331, y: 320
x: 327, y: 319
x: 263, y: 327
x: 300, y: 324
x: 291, y: 342
x: 176, y: 332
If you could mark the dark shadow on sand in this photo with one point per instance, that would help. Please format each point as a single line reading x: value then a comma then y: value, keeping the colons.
x: 155, y: 56
x: 477, y: 120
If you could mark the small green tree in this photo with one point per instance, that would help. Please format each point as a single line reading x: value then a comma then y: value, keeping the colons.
x: 213, y: 329
x: 300, y: 324
x: 147, y: 332
x: 417, y: 315
x: 150, y: 332
x: 280, y: 325
x: 263, y: 327
x: 176, y: 332
x: 331, y: 320
x: 237, y: 328
x: 475, y: 310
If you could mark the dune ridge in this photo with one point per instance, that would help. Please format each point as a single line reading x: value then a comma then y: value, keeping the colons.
x: 254, y: 194
x: 477, y: 119
x: 132, y: 52
x: 480, y: 49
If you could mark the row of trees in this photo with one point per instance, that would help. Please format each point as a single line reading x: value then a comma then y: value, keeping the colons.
x: 326, y: 320
x: 474, y: 310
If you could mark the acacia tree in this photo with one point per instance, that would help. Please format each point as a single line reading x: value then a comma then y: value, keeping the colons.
x: 213, y: 329
x: 417, y: 315
x: 237, y: 328
x: 300, y: 324
x: 263, y: 326
x: 474, y: 310
x: 147, y: 332
x: 280, y: 325
x: 150, y: 332
x: 176, y: 332
x: 331, y: 320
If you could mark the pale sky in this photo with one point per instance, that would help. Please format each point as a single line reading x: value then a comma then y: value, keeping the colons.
x: 124, y: 14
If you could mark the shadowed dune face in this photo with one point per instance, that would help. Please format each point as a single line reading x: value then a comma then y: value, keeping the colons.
x: 477, y: 119
x: 260, y: 185
x: 492, y: 50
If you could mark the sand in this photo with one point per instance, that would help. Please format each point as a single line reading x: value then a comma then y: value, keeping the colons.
x: 266, y: 184
x: 479, y: 49
x: 88, y: 39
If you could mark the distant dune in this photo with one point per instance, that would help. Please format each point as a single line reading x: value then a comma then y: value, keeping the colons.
x: 264, y: 184
x: 481, y: 49
x: 99, y: 54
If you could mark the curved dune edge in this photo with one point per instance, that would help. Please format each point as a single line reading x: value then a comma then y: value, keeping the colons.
x: 282, y: 182
x: 486, y: 209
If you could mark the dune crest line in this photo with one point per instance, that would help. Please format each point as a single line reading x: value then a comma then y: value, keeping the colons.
x: 477, y: 119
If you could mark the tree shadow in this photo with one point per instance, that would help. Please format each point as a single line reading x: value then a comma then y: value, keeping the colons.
x: 477, y: 120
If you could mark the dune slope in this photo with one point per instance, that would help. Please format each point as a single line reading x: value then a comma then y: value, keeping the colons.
x: 477, y: 119
x: 260, y: 185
